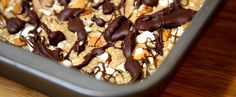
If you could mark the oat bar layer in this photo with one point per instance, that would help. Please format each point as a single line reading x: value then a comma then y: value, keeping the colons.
x: 119, y: 41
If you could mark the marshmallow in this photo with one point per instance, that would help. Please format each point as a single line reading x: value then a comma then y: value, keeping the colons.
x: 66, y: 63
x: 179, y: 31
x: 104, y: 57
x: 88, y: 29
x: 165, y: 3
x: 62, y: 44
x: 143, y: 37
x: 98, y: 75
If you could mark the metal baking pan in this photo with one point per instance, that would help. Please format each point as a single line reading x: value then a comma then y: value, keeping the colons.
x: 55, y: 80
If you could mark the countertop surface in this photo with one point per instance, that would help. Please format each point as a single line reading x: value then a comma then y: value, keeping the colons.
x: 209, y: 69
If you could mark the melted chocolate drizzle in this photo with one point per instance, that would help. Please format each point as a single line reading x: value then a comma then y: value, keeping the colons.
x: 93, y: 73
x: 76, y: 25
x: 96, y: 6
x: 40, y: 48
x: 131, y: 65
x: 14, y: 25
x: 170, y: 17
x: 150, y: 2
x: 99, y: 21
x: 108, y: 7
x: 69, y: 13
x: 64, y: 3
x: 34, y: 19
x: 148, y: 22
x: 54, y: 36
x: 113, y: 27
x: 159, y: 42
x: 90, y: 56
x: 123, y: 31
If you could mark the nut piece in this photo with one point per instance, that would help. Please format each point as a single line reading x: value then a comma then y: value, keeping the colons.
x: 144, y: 10
x: 18, y: 42
x: 166, y: 34
x: 87, y: 11
x: 95, y: 41
x: 4, y: 4
x: 17, y: 8
x: 77, y: 4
